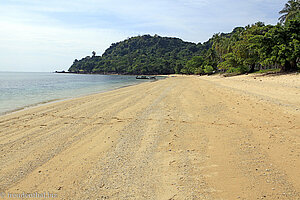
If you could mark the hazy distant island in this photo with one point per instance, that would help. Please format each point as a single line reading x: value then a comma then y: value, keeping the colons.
x: 256, y: 47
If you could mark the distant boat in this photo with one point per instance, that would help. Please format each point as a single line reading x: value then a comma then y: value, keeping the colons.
x: 145, y: 77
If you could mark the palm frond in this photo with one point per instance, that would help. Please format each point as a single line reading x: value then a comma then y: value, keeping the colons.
x: 291, y: 10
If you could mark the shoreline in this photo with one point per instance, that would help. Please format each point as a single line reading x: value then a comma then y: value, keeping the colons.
x: 30, y: 106
x: 60, y: 100
x: 116, y: 74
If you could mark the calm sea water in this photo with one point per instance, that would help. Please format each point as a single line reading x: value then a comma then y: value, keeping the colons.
x: 23, y: 89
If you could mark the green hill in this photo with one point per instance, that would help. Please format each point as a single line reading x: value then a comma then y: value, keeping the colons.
x: 141, y: 55
x: 256, y: 47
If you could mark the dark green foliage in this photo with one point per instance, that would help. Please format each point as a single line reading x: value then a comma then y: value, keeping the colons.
x: 208, y: 69
x: 258, y: 47
x: 193, y: 66
x: 290, y: 11
x: 141, y: 55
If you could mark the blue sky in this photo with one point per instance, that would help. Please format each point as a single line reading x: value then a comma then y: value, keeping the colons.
x: 40, y: 35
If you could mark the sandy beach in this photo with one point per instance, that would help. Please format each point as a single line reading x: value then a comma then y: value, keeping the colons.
x: 184, y: 137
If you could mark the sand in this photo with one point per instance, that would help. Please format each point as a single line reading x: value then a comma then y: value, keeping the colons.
x: 178, y: 138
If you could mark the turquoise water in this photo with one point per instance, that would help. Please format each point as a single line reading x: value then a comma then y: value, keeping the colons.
x: 23, y: 89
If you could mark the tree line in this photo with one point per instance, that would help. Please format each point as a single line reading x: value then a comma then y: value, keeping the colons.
x: 244, y: 50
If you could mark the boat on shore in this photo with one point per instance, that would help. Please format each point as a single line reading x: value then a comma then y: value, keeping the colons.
x: 145, y: 77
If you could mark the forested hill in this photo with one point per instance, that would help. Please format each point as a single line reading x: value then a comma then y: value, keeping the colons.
x: 141, y: 55
x: 246, y: 49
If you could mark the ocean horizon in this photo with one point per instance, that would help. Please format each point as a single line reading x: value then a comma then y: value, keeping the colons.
x: 19, y: 90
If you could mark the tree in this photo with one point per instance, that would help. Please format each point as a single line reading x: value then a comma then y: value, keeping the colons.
x: 194, y: 66
x: 246, y: 49
x: 94, y: 53
x: 287, y: 49
x: 230, y: 61
x: 208, y: 69
x: 290, y: 11
x: 211, y: 58
x: 276, y: 46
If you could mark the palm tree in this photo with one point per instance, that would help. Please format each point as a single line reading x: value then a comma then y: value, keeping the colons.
x: 290, y: 11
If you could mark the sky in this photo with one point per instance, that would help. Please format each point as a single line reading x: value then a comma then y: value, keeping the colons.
x: 48, y: 35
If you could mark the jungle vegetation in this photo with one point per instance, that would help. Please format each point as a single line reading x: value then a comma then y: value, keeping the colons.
x: 244, y: 50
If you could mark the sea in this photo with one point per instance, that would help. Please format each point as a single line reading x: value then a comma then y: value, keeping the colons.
x: 19, y: 90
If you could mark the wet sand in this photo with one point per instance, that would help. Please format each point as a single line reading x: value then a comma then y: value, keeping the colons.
x: 177, y: 138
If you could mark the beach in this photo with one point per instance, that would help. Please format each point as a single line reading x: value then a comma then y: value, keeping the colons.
x: 183, y: 137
